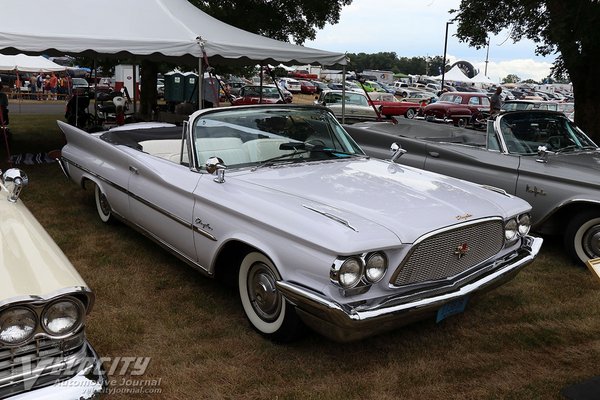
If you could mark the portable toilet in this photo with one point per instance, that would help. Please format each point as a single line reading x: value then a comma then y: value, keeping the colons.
x: 190, y: 87
x: 174, y: 87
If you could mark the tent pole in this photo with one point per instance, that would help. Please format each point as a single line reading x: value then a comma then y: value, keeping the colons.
x: 134, y: 89
x: 200, y: 84
x: 343, y: 94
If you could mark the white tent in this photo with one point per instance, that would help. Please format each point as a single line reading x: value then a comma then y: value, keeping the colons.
x: 481, y: 78
x: 24, y: 63
x: 456, y: 75
x: 143, y: 29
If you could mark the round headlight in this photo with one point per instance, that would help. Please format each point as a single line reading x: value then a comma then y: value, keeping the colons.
x: 524, y: 224
x: 17, y: 325
x: 350, y: 273
x: 62, y: 317
x: 510, y: 230
x: 376, y: 267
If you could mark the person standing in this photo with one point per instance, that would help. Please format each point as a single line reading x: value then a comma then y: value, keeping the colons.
x: 53, y: 83
x: 32, y: 86
x: 39, y: 82
x: 496, y: 102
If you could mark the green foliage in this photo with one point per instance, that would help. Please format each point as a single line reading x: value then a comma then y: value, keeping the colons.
x: 389, y: 61
x: 566, y: 28
x: 277, y: 19
x: 511, y: 78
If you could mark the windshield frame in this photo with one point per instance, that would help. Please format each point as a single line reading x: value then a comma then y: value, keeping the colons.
x: 524, y: 132
x: 248, y: 136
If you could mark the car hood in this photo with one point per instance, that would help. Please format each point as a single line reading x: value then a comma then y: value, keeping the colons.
x: 398, y: 200
x: 31, y: 264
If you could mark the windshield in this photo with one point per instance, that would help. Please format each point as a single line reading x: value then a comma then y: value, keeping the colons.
x: 247, y: 137
x: 524, y: 132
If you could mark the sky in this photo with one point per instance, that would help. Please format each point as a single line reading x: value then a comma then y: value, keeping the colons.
x: 417, y: 28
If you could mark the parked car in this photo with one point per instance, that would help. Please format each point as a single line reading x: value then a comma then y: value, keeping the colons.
x: 80, y: 85
x: 540, y: 156
x: 307, y: 87
x: 356, y: 105
x: 389, y: 105
x: 44, y: 352
x: 251, y: 94
x: 281, y: 201
x: 459, y: 108
x: 292, y: 85
x: 420, y: 96
x: 320, y: 86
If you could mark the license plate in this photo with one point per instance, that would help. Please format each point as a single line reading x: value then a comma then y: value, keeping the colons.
x: 454, y: 307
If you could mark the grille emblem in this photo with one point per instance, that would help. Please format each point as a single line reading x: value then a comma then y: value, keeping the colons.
x: 461, y: 250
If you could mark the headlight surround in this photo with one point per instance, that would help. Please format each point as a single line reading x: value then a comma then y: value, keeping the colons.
x: 63, y: 317
x: 376, y: 267
x: 17, y: 325
x: 511, y: 230
x: 350, y: 272
x: 524, y: 224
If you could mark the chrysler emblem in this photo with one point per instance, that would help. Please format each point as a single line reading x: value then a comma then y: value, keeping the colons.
x: 461, y: 250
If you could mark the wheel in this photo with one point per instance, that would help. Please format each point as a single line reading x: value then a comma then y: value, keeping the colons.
x: 582, y: 236
x: 102, y: 206
x: 461, y: 122
x: 266, y: 308
x: 410, y: 113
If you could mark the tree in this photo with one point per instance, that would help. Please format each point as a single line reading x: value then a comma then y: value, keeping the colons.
x: 277, y: 19
x: 567, y: 28
x: 511, y: 78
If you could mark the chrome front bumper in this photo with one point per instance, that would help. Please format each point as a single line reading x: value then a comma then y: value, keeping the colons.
x: 342, y: 323
x: 88, y: 383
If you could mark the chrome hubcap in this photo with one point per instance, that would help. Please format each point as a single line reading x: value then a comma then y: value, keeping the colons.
x: 591, y: 242
x: 265, y: 298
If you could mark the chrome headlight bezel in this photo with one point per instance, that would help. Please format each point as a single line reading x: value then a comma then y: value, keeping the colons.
x: 375, y: 267
x: 359, y: 271
x: 511, y: 230
x: 72, y: 314
x: 524, y: 224
x: 27, y: 322
x: 350, y: 272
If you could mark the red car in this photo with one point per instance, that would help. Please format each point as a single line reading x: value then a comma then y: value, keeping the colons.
x: 307, y: 87
x: 252, y: 95
x: 460, y: 108
x: 389, y: 106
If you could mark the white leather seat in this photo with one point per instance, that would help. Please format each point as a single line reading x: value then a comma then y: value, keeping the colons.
x: 228, y: 149
x: 264, y: 149
x: 168, y: 149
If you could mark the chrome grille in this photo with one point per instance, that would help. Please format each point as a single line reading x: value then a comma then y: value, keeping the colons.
x: 38, y: 358
x: 439, y: 256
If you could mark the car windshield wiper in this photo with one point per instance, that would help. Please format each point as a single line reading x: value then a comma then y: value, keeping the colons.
x: 303, y: 148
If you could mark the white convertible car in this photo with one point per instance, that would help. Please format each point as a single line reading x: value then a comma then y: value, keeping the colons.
x: 280, y: 199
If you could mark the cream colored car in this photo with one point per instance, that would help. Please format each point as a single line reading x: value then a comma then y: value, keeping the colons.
x: 44, y: 352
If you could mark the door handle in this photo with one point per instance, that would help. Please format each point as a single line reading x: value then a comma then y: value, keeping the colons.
x: 434, y: 154
x: 133, y: 169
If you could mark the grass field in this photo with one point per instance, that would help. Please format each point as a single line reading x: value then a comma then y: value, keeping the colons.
x: 526, y: 340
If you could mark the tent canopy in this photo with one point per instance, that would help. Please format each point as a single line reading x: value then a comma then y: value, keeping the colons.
x: 155, y: 29
x: 23, y: 63
x: 481, y: 78
x: 455, y: 75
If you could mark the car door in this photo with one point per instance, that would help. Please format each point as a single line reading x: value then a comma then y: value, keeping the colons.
x: 474, y: 164
x: 161, y: 202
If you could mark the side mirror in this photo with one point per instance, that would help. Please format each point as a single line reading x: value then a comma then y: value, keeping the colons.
x: 397, y: 151
x: 214, y: 165
x: 14, y: 180
x: 542, y: 154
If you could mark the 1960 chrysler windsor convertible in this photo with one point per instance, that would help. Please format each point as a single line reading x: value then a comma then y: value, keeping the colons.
x: 280, y: 198
x: 44, y: 352
x: 540, y: 156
